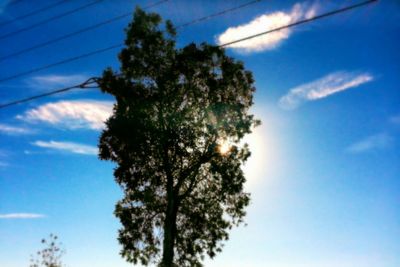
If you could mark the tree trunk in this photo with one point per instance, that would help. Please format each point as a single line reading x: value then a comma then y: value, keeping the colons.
x: 169, y: 230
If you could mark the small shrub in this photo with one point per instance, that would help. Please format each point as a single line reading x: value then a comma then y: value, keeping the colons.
x: 50, y: 255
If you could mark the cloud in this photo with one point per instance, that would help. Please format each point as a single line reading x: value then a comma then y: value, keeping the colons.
x: 265, y: 23
x: 373, y: 142
x: 46, y: 81
x: 323, y: 87
x: 21, y: 216
x: 71, y: 114
x: 68, y: 147
x: 13, y: 130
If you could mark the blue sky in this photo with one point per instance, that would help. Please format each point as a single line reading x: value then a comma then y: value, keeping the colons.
x: 324, y: 174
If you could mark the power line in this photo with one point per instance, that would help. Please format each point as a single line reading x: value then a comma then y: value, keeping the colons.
x: 85, y: 84
x: 331, y: 13
x: 114, y: 46
x: 223, y: 12
x: 103, y: 23
x: 324, y: 15
x: 30, y: 14
x: 32, y: 26
x: 236, y: 41
x: 67, y: 60
x: 66, y: 36
x: 60, y: 62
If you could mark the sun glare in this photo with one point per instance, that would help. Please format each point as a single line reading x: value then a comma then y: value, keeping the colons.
x: 224, y: 147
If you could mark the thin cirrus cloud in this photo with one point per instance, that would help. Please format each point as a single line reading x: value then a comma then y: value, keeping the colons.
x: 55, y: 80
x: 14, y: 130
x: 21, y: 216
x: 265, y: 23
x: 71, y: 114
x: 374, y: 142
x: 69, y: 147
x: 323, y: 87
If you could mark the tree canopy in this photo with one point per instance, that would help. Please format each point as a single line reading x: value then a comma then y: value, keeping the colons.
x: 174, y: 135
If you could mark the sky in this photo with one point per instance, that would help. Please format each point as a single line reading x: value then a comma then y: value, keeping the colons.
x: 324, y: 172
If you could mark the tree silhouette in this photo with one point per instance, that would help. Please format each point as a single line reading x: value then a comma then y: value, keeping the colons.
x: 50, y: 255
x: 174, y: 134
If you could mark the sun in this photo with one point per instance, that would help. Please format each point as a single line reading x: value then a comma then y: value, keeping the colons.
x: 224, y: 147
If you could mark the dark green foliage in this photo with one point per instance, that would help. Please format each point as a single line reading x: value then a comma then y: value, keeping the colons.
x: 174, y: 108
x: 50, y: 255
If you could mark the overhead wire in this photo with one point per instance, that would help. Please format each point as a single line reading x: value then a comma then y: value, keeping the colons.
x: 53, y: 18
x: 95, y: 52
x: 220, y: 13
x: 331, y: 13
x: 35, y: 12
x: 85, y: 84
x: 114, y: 19
x: 327, y: 14
x: 64, y: 61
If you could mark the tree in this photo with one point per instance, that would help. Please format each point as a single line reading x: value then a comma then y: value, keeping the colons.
x: 174, y: 134
x: 50, y: 255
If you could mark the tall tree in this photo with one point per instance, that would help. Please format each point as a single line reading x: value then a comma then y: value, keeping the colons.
x: 179, y: 116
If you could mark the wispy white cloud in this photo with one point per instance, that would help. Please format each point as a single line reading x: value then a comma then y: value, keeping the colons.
x: 373, y: 142
x: 264, y: 23
x: 323, y: 87
x: 70, y: 147
x: 71, y: 114
x: 21, y: 216
x: 14, y: 130
x: 54, y: 80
